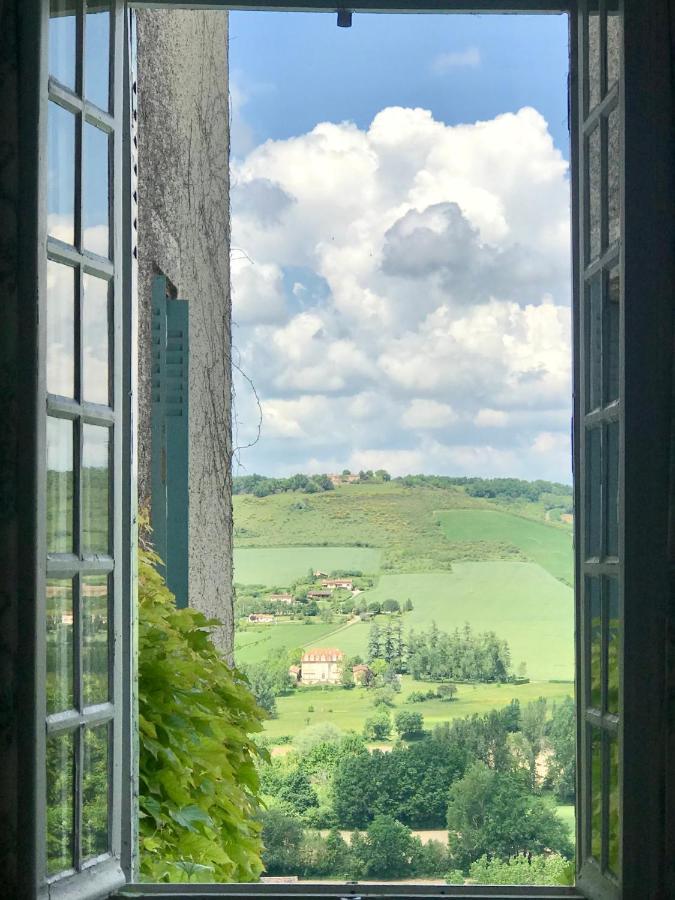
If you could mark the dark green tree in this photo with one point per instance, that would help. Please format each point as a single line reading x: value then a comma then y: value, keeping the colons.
x: 409, y: 724
x: 282, y: 840
x: 495, y: 814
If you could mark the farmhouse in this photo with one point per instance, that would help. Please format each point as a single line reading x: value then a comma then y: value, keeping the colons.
x: 261, y: 618
x: 345, y: 584
x: 318, y: 595
x: 281, y: 598
x: 321, y: 666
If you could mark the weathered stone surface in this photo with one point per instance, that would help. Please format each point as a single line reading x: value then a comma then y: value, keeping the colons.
x: 184, y: 228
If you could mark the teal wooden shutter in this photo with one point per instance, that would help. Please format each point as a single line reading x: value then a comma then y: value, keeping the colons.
x: 170, y: 449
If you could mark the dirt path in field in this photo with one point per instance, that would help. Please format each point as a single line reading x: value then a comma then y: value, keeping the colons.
x: 336, y: 631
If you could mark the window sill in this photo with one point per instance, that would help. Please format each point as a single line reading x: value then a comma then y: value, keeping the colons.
x: 309, y: 890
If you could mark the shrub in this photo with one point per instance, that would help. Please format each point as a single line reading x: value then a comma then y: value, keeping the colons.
x: 378, y: 728
x: 198, y: 781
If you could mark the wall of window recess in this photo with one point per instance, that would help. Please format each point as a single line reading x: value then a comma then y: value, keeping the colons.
x: 600, y: 423
x: 83, y: 357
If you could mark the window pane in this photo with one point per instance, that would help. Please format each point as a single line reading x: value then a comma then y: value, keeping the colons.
x: 95, y: 340
x: 97, y: 54
x: 94, y: 616
x: 613, y: 176
x: 613, y: 636
x: 60, y: 329
x: 594, y: 196
x: 59, y: 485
x: 612, y: 500
x: 611, y: 338
x: 95, y: 788
x: 614, y: 823
x: 60, y: 782
x: 596, y: 794
x: 594, y: 343
x: 593, y: 493
x: 95, y: 234
x: 59, y: 644
x: 594, y: 601
x: 593, y: 38
x: 62, y: 37
x: 614, y: 40
x: 61, y: 174
x: 95, y: 490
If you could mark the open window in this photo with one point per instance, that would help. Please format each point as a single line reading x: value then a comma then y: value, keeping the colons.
x: 80, y: 628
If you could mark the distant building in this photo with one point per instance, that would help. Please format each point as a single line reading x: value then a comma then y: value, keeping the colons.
x: 323, y: 665
x: 344, y: 479
x: 318, y: 595
x: 261, y: 619
x: 282, y: 598
x: 345, y: 584
x: 320, y: 574
x: 294, y: 672
x: 362, y: 673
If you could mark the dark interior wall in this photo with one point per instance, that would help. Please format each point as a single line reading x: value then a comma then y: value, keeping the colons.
x: 183, y: 232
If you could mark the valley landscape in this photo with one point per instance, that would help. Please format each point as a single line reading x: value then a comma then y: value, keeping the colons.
x: 423, y: 606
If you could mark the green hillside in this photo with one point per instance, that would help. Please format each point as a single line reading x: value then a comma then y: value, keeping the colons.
x: 547, y: 545
x: 494, y: 562
x: 404, y: 522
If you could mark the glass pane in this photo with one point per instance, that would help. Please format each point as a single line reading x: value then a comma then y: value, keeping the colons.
x: 59, y: 644
x: 60, y: 329
x: 594, y: 196
x: 613, y: 636
x: 60, y: 806
x: 596, y: 794
x: 95, y: 525
x: 613, y: 177
x: 95, y: 789
x: 97, y: 53
x: 95, y: 340
x: 61, y: 174
x: 612, y: 501
x: 594, y: 602
x: 593, y: 492
x: 94, y: 615
x: 614, y: 835
x: 611, y: 338
x: 594, y: 343
x: 614, y: 39
x: 95, y: 234
x: 62, y: 37
x: 59, y: 485
x: 593, y: 38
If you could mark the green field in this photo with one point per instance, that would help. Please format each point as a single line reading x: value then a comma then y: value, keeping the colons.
x: 349, y: 709
x: 568, y: 816
x: 520, y: 601
x: 548, y: 545
x: 283, y: 565
x: 255, y: 644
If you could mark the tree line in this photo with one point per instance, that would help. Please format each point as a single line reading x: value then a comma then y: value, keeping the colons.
x: 435, y: 655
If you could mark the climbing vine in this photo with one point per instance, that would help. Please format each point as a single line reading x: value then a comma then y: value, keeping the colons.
x: 199, y: 784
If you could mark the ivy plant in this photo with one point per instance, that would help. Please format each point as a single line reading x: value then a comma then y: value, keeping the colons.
x: 199, y: 786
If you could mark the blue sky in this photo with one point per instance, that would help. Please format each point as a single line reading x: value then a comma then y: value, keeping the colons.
x: 299, y: 69
x: 369, y: 253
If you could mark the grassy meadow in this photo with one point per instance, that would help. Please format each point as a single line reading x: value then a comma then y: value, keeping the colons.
x: 349, y: 709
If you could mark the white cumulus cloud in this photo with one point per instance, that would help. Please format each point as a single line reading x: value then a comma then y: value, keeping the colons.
x: 407, y: 280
